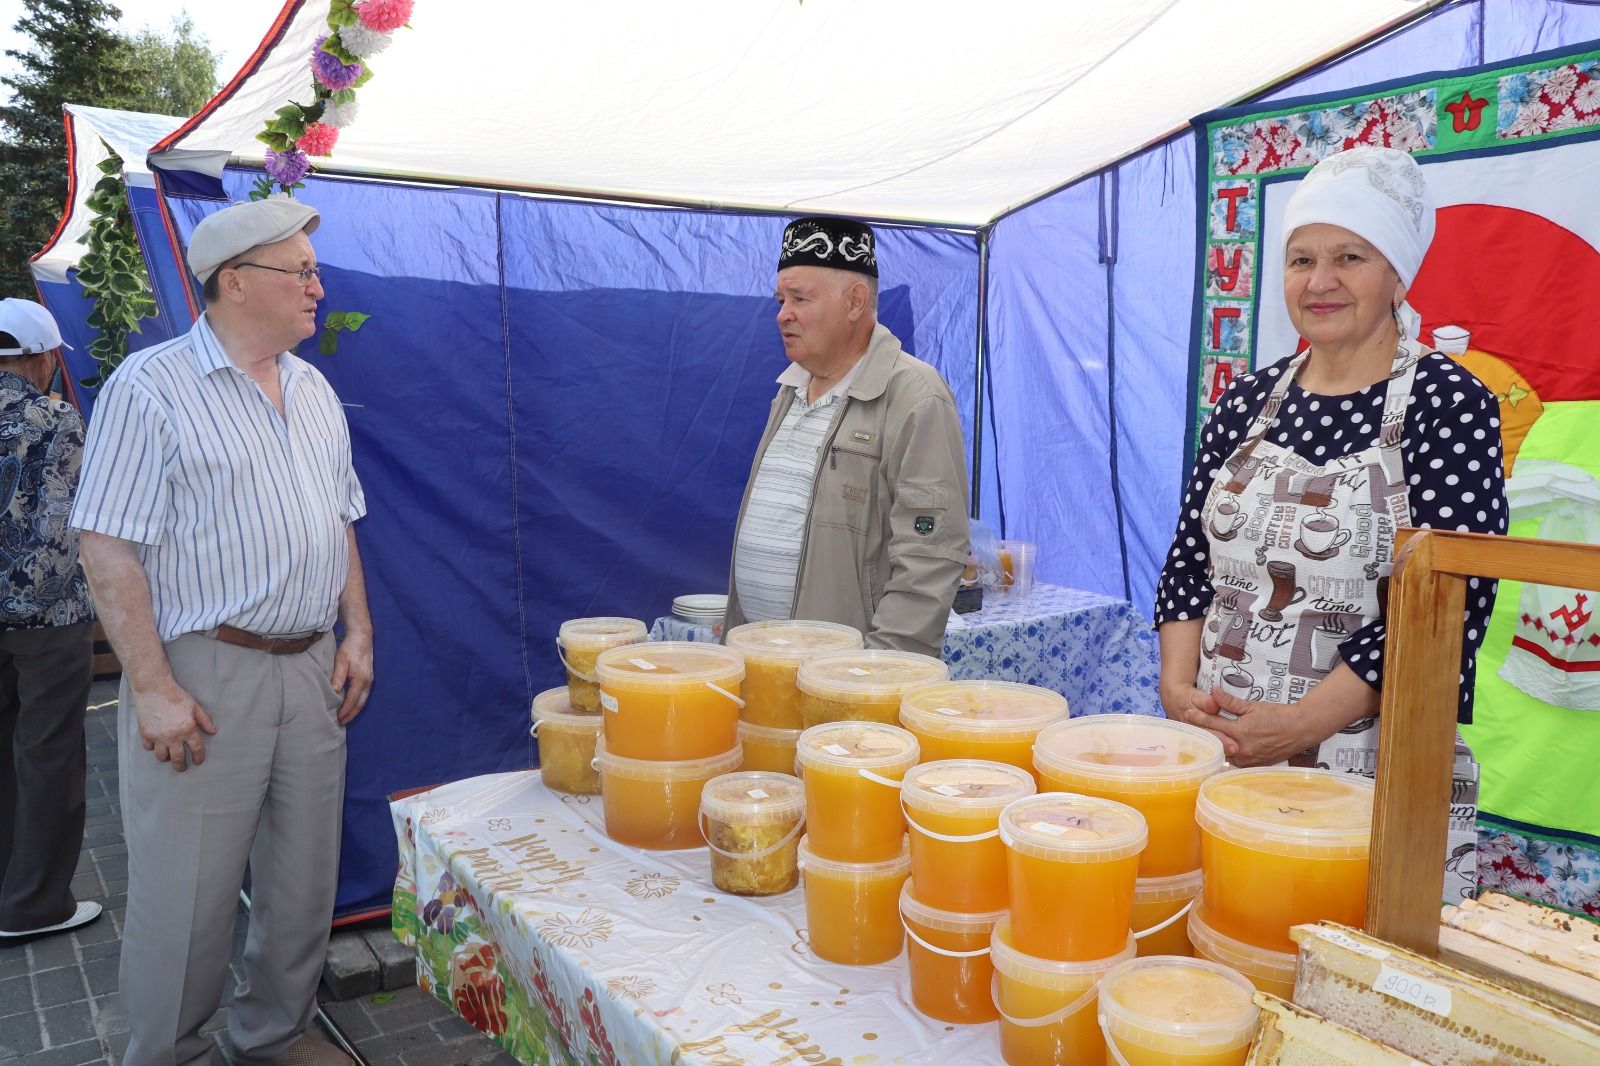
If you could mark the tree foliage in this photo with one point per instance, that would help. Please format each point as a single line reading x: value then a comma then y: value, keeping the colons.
x: 73, y: 53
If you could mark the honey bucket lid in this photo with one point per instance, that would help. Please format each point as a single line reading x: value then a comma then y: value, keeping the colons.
x: 899, y: 866
x: 1066, y: 827
x: 1030, y: 969
x: 665, y: 770
x: 968, y: 786
x: 769, y: 734
x: 668, y: 663
x: 602, y: 631
x: 994, y: 709
x: 945, y: 921
x: 554, y: 705
x: 753, y: 797
x: 875, y: 674
x: 1277, y: 967
x: 857, y: 745
x: 1327, y: 812
x: 1129, y: 749
x: 783, y: 641
x: 1151, y: 1001
x: 1168, y: 889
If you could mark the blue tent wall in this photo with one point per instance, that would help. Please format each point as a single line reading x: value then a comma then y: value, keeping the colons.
x: 1059, y: 360
x: 553, y: 411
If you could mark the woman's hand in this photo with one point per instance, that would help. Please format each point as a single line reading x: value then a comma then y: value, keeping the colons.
x: 1260, y: 733
x: 1186, y: 703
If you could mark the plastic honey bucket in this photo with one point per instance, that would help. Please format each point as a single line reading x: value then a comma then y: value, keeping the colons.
x: 751, y: 821
x: 1154, y: 765
x: 952, y: 808
x: 862, y: 686
x: 852, y: 772
x: 773, y: 652
x: 566, y: 743
x: 947, y: 956
x: 1172, y: 1011
x: 995, y: 720
x: 656, y: 805
x: 671, y: 700
x: 1071, y: 864
x: 852, y: 908
x: 1282, y: 846
x: 580, y: 641
x: 1047, y: 1008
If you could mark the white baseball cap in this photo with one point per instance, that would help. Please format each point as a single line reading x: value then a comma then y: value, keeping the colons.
x: 34, y: 327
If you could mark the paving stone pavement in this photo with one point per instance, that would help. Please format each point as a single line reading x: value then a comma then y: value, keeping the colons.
x: 58, y: 996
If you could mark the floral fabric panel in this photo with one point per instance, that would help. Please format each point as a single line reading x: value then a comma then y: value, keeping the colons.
x: 1556, y: 872
x: 568, y: 948
x: 1095, y: 650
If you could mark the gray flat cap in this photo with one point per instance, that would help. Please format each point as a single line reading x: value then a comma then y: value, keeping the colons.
x: 235, y: 230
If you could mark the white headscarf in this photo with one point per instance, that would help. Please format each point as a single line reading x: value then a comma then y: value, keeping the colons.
x: 1379, y: 195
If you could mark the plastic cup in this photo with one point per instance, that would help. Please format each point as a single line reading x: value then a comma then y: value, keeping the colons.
x: 862, y: 686
x: 773, y: 652
x: 1153, y: 765
x: 581, y: 640
x: 995, y: 720
x: 1157, y: 899
x: 1016, y: 566
x: 1281, y: 846
x: 566, y: 743
x: 1167, y: 1011
x: 852, y: 772
x: 671, y: 700
x: 947, y: 954
x: 656, y: 805
x: 751, y: 822
x: 1047, y: 1008
x: 1071, y: 863
x: 953, y: 810
x: 766, y: 748
x: 1269, y: 971
x: 852, y: 908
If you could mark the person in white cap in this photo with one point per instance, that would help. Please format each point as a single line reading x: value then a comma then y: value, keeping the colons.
x: 46, y: 637
x: 217, y: 510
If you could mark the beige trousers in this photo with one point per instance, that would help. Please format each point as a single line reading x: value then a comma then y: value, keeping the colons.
x: 269, y: 794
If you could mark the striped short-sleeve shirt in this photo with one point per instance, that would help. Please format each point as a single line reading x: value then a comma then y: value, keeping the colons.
x: 239, y: 511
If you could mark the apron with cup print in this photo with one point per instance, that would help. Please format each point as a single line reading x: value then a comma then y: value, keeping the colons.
x: 1300, y: 556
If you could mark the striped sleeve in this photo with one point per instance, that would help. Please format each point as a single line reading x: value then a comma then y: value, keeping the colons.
x: 122, y: 491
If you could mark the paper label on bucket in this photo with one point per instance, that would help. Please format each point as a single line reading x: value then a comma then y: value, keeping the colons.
x: 643, y: 664
x: 1333, y: 936
x: 608, y: 701
x: 1048, y: 828
x: 858, y: 671
x: 946, y: 790
x: 834, y: 749
x: 1416, y: 991
x: 756, y: 793
x: 780, y: 642
x: 948, y: 710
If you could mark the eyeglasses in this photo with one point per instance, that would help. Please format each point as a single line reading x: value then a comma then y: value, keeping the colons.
x: 306, y: 276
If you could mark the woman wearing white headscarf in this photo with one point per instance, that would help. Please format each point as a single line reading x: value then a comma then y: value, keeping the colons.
x: 1271, y: 602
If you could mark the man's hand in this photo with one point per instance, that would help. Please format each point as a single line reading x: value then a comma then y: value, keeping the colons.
x: 169, y: 719
x: 352, y: 673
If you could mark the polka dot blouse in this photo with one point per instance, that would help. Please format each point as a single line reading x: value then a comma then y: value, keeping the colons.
x: 1451, y: 452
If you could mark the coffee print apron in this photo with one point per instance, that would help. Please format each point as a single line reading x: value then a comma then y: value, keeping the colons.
x: 1300, y: 557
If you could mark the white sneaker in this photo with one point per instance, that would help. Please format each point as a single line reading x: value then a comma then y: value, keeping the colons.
x: 87, y: 912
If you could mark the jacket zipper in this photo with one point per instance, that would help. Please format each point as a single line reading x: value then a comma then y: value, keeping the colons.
x: 816, y: 479
x: 834, y: 450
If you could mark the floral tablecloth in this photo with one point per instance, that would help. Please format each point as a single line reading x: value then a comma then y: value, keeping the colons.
x: 1096, y: 651
x: 568, y: 948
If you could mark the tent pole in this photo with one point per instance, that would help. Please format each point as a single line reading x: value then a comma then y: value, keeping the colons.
x: 981, y: 369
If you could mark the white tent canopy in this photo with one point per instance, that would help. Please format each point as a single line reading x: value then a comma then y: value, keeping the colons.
x: 943, y: 111
x: 131, y: 135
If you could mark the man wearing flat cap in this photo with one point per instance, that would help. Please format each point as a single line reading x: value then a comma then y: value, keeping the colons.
x: 216, y: 505
x: 856, y: 508
x: 46, y: 643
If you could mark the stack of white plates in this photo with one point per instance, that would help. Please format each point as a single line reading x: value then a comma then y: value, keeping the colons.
x: 705, y: 610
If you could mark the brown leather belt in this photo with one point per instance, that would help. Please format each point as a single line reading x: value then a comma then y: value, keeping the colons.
x: 271, y: 645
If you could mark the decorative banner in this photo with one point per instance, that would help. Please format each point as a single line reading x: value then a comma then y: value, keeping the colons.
x: 1512, y: 156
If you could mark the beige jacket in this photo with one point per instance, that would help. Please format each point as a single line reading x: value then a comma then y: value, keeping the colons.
x: 886, y: 538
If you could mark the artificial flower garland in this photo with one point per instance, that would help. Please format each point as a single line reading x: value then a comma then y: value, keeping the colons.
x: 357, y: 30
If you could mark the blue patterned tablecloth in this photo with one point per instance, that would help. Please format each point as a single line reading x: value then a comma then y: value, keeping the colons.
x: 1096, y: 651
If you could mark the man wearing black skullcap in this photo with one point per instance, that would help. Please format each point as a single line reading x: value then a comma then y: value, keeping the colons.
x: 856, y: 508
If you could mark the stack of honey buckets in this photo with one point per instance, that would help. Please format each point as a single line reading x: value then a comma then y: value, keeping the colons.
x: 1055, y: 875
